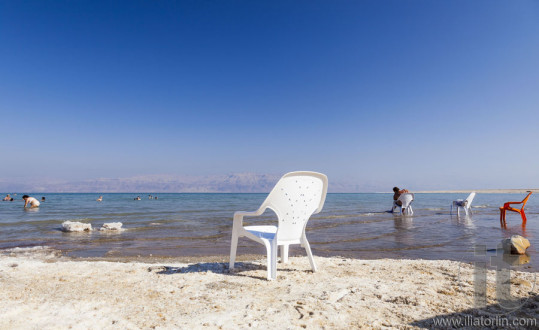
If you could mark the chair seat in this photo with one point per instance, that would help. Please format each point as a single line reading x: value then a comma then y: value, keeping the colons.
x: 266, y: 232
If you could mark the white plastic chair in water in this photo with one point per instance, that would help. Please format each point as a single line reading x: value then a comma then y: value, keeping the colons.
x: 406, y: 207
x: 296, y: 197
x: 465, y: 204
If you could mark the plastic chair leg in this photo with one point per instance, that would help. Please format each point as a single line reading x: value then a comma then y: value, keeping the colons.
x: 284, y: 253
x: 233, y: 249
x: 309, y: 254
x: 271, y: 250
x: 274, y: 259
x: 502, y: 218
x: 451, y: 209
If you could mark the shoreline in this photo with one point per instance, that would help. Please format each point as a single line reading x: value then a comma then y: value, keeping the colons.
x: 43, y: 290
x: 254, y: 253
x: 244, y: 257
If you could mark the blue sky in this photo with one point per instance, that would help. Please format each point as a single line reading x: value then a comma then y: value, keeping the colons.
x: 421, y: 94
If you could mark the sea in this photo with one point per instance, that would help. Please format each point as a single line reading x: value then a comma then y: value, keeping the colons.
x: 199, y: 224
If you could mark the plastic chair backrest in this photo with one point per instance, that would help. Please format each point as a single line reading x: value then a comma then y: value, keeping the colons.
x: 469, y: 199
x: 525, y: 200
x: 406, y: 199
x: 296, y: 197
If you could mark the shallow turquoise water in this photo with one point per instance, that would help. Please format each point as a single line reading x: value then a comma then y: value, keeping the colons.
x: 351, y: 225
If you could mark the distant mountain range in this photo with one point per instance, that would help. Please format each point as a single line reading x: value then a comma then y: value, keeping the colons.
x: 238, y: 183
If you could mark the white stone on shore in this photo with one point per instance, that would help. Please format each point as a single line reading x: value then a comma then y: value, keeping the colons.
x: 70, y: 226
x: 515, y: 245
x: 112, y: 226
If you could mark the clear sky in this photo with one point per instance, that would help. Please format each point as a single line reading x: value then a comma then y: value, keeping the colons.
x: 420, y: 94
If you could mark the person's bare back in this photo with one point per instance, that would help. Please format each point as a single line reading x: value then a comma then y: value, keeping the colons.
x: 30, y: 200
x: 397, y: 192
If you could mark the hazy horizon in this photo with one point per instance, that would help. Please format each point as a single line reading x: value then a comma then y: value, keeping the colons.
x: 228, y: 183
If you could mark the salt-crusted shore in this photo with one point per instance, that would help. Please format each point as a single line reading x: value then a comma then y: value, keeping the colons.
x: 41, y: 290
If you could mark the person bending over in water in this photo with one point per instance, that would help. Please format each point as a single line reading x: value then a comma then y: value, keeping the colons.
x: 100, y: 199
x: 397, y: 193
x: 30, y: 200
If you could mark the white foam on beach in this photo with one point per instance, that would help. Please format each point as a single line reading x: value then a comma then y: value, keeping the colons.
x: 32, y: 252
x: 27, y: 249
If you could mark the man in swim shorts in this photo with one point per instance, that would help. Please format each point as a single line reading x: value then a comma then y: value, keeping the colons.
x: 30, y: 200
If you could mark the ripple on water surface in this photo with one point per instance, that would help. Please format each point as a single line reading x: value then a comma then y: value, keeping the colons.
x: 350, y: 225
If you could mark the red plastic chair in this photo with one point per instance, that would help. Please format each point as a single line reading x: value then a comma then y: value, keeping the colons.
x: 507, y: 207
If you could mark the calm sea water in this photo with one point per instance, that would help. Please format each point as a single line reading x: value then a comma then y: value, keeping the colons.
x: 351, y: 225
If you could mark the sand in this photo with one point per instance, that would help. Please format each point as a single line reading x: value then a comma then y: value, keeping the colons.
x: 42, y: 290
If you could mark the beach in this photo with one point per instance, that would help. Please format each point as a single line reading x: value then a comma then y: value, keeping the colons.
x: 43, y: 289
x: 168, y: 268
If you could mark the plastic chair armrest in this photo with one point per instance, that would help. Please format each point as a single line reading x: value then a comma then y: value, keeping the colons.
x: 514, y: 210
x: 238, y: 216
x: 248, y: 214
x: 509, y: 203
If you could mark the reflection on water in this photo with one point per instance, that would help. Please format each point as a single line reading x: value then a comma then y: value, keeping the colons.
x: 515, y: 260
x: 350, y: 225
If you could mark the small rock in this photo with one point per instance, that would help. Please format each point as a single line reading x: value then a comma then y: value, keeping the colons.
x: 336, y: 296
x: 112, y: 226
x: 515, y: 245
x: 70, y: 226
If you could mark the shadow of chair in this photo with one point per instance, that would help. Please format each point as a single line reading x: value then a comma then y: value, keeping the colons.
x: 217, y: 268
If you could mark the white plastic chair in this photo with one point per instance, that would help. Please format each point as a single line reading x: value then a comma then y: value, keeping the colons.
x: 465, y: 204
x: 406, y: 207
x: 296, y: 197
